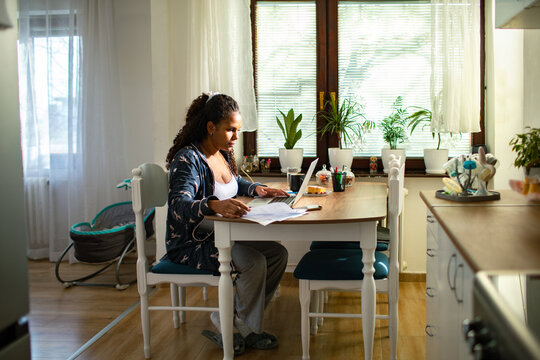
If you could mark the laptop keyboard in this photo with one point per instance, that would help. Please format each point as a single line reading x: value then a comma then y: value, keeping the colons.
x: 283, y: 199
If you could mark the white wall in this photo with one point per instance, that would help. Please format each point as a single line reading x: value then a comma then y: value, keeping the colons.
x: 531, y: 69
x: 132, y: 37
x: 512, y: 95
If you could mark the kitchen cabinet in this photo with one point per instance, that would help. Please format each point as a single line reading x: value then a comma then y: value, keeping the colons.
x: 448, y: 296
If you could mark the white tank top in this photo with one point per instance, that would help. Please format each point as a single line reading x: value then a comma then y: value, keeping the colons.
x: 226, y: 191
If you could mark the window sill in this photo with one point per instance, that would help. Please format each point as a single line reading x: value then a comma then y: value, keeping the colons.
x: 362, y: 174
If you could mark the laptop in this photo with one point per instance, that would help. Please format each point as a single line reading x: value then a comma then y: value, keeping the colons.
x: 290, y: 200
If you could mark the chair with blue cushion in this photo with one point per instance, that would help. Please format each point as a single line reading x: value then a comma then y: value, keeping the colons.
x: 150, y: 188
x: 319, y: 298
x: 341, y: 270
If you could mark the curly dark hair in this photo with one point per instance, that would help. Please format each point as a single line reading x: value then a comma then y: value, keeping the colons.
x: 200, y: 112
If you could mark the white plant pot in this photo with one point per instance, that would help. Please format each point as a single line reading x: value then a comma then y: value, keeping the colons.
x: 340, y: 157
x: 434, y: 160
x: 385, y: 157
x: 290, y: 158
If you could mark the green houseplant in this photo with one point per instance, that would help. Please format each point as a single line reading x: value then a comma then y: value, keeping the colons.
x: 288, y: 155
x: 347, y: 122
x: 289, y: 128
x: 393, y: 126
x: 393, y: 129
x: 527, y: 148
x: 434, y: 159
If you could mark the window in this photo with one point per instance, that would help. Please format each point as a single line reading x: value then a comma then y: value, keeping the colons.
x: 286, y: 72
x: 369, y: 51
x: 49, y: 63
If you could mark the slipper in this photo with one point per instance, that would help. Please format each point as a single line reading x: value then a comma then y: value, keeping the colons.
x: 262, y: 341
x: 238, y: 341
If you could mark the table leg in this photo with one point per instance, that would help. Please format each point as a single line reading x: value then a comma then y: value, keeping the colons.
x: 368, y: 234
x: 225, y: 289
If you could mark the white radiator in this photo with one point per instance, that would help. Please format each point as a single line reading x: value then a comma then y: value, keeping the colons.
x: 36, y: 195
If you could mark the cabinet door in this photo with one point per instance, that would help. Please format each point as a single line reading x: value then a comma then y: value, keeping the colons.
x: 463, y: 294
x: 448, y: 332
x: 432, y: 290
x: 456, y: 279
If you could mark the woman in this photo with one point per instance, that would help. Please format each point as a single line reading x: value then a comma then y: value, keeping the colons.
x: 204, y: 180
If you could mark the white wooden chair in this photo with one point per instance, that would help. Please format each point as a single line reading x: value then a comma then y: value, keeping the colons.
x: 321, y: 270
x: 150, y: 188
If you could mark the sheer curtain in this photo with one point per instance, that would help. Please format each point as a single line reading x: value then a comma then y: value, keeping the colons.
x: 220, y: 54
x: 72, y: 135
x: 455, y: 83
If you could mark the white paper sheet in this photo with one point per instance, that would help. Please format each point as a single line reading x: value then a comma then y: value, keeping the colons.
x: 269, y: 213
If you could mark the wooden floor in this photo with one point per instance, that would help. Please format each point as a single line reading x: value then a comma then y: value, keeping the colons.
x: 62, y: 320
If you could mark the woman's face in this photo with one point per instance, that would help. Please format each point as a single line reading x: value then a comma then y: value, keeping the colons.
x: 226, y: 132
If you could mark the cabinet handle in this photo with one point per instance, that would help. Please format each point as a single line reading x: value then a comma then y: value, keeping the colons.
x: 430, y: 330
x: 431, y: 252
x: 430, y: 219
x: 430, y: 292
x: 460, y: 266
x: 452, y: 286
x: 321, y: 100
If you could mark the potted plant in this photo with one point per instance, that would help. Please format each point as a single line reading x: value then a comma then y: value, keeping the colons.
x: 393, y: 129
x: 348, y: 123
x: 434, y: 159
x: 288, y: 155
x: 527, y: 148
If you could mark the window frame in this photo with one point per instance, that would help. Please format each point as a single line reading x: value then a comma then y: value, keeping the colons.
x: 327, y: 83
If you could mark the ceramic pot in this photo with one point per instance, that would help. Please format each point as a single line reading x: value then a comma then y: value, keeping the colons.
x: 290, y: 158
x: 340, y: 157
x: 434, y: 160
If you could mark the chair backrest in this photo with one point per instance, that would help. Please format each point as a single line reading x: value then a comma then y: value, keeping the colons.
x: 149, y: 188
x: 395, y: 188
x: 395, y: 206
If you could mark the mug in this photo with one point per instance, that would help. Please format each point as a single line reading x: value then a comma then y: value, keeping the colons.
x: 292, y: 170
x: 295, y: 181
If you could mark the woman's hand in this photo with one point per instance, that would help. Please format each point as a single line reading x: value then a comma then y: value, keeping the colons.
x: 269, y: 192
x: 230, y: 208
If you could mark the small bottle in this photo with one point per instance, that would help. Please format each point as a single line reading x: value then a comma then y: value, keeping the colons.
x: 246, y: 165
x: 255, y: 163
x: 323, y: 176
x: 350, y: 178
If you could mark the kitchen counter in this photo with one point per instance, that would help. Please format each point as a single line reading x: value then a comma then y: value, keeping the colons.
x: 492, y: 235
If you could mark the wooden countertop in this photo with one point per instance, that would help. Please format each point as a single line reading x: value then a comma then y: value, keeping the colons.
x: 493, y: 235
x: 364, y: 201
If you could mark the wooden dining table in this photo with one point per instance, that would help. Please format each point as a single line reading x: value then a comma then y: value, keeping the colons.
x: 344, y: 216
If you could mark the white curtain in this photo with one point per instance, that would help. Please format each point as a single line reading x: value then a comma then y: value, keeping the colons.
x: 455, y: 84
x: 220, y: 54
x: 72, y: 135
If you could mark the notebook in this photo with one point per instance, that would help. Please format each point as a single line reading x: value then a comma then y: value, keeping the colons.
x: 291, y: 200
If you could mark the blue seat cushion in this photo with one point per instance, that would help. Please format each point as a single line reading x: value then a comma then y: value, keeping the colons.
x: 338, y: 264
x: 317, y: 245
x: 169, y: 267
x: 383, y: 238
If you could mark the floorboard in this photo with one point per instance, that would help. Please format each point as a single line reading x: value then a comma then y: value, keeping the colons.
x: 62, y: 320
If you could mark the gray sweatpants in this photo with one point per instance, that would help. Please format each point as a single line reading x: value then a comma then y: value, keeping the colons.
x: 260, y: 266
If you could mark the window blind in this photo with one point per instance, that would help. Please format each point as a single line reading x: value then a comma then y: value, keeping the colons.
x: 384, y: 51
x: 286, y: 72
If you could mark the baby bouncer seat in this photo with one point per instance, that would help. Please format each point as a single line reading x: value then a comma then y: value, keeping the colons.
x: 104, y: 242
